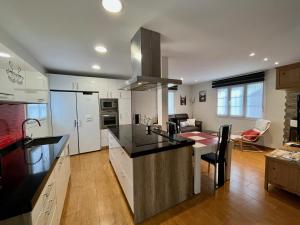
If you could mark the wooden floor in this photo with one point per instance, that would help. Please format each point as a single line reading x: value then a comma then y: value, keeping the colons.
x: 95, y: 198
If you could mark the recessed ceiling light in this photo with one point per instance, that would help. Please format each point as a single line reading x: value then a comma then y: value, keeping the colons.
x: 96, y: 67
x: 101, y: 49
x: 252, y: 54
x: 181, y: 78
x: 266, y: 59
x: 139, y: 83
x: 4, y: 55
x: 276, y: 63
x: 113, y: 6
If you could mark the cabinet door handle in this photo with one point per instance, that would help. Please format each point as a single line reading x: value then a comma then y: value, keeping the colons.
x: 73, y: 86
x: 77, y: 86
x: 75, y: 123
x: 49, y: 190
x: 48, y: 212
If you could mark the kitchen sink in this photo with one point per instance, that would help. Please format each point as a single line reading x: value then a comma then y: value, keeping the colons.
x: 43, y: 141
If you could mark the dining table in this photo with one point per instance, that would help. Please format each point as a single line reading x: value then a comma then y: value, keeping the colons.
x: 206, y: 143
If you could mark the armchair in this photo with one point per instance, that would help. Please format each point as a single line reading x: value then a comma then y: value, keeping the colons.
x: 253, y: 135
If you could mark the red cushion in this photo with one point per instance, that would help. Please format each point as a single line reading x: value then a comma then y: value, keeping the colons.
x: 250, y: 135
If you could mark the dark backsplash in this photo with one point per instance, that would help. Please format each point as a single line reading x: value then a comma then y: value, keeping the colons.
x: 11, y: 118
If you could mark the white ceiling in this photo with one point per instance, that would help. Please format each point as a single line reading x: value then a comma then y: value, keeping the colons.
x: 204, y: 39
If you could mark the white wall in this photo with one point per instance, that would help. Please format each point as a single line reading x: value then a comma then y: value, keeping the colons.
x: 274, y: 111
x: 144, y: 103
x: 183, y: 90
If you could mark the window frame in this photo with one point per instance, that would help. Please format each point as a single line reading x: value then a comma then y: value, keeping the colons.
x: 245, y: 86
x: 40, y: 119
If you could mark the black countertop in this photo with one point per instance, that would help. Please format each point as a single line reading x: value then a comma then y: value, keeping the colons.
x: 23, y: 174
x: 136, y: 141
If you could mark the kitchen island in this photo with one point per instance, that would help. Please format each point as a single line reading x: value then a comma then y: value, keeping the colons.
x: 154, y: 170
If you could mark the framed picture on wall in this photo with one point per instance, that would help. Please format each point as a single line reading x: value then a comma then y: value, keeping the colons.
x: 182, y: 100
x: 202, y: 96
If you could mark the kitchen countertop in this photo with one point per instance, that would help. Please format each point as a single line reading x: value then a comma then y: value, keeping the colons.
x: 24, y: 173
x: 136, y: 141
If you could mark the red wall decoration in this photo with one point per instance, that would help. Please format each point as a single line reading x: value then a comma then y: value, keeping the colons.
x: 11, y: 118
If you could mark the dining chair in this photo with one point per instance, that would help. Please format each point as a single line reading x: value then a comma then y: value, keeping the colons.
x: 217, y: 159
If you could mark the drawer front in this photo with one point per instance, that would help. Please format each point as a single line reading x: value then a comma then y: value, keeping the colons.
x: 40, y: 206
x: 125, y: 182
x: 283, y: 174
x: 50, y: 212
x: 127, y: 188
x: 125, y: 162
x: 127, y: 165
x: 112, y: 142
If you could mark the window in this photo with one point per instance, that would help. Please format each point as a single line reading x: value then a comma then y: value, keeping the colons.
x: 222, y: 108
x: 237, y: 101
x: 171, y: 103
x: 37, y: 111
x: 254, y: 100
x: 241, y: 101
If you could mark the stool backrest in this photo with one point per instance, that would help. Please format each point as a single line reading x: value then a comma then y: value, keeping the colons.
x: 223, y: 140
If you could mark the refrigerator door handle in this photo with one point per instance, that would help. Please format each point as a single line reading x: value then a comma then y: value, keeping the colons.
x: 79, y: 123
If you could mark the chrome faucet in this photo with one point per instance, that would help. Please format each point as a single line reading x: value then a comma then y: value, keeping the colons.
x: 23, y: 129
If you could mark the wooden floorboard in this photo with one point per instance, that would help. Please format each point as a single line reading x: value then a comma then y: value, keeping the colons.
x: 95, y: 198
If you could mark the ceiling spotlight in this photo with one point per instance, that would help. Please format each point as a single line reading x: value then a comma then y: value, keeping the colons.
x: 252, y: 54
x: 4, y: 55
x: 113, y: 6
x: 181, y: 78
x: 96, y: 67
x: 266, y: 59
x: 276, y: 63
x: 101, y: 49
x: 139, y: 83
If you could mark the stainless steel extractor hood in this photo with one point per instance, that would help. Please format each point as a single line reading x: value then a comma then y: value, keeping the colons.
x: 146, y: 62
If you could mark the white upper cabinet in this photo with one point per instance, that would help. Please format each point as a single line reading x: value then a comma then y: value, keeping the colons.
x: 16, y: 80
x: 103, y: 88
x: 86, y: 83
x: 63, y: 82
x: 107, y: 88
x: 6, y: 90
x: 36, y: 81
x: 113, y: 87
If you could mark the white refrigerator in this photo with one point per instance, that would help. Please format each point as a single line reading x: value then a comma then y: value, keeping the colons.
x: 77, y: 114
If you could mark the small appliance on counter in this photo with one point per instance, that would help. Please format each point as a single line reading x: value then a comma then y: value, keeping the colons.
x: 171, y: 128
x: 109, y: 113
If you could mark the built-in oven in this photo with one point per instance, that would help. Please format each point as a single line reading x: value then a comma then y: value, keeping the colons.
x: 109, y: 119
x: 109, y: 104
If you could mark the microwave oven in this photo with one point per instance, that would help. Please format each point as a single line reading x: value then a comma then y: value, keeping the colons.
x: 109, y: 104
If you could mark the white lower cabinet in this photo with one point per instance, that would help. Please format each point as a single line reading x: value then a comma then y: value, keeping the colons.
x: 49, y: 206
x: 123, y: 167
x: 104, y: 137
